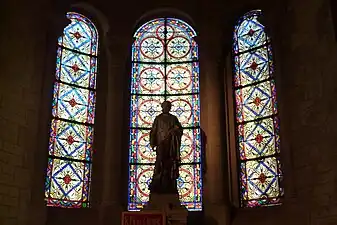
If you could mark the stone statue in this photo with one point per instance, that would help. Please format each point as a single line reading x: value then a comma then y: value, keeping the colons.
x: 165, y: 139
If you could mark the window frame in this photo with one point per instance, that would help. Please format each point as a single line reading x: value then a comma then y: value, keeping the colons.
x: 231, y: 120
x: 165, y: 95
x: 54, y: 80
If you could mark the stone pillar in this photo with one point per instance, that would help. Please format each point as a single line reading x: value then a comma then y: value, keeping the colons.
x: 309, y: 89
x: 114, y: 196
x: 212, y: 122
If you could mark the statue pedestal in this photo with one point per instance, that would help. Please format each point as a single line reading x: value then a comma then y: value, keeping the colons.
x: 169, y: 204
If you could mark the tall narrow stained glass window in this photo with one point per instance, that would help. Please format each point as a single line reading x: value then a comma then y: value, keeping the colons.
x: 257, y: 123
x: 164, y: 67
x: 73, y: 110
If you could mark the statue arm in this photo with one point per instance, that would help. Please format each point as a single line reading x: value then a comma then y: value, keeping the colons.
x: 178, y: 127
x: 153, y: 134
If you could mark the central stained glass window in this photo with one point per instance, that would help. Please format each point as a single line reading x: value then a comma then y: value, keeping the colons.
x: 164, y: 67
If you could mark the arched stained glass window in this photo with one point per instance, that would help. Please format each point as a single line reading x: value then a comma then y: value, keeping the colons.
x: 73, y: 110
x: 257, y: 123
x: 164, y: 67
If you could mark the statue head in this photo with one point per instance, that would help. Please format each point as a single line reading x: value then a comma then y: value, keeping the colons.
x: 166, y: 106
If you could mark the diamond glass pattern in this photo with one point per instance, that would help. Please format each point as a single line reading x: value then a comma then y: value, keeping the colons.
x: 74, y: 103
x: 253, y: 66
x: 257, y: 124
x: 73, y: 110
x: 165, y: 67
x: 258, y: 139
x: 254, y: 102
x: 69, y: 181
x: 76, y: 68
x: 71, y: 140
x: 261, y: 180
x: 80, y: 35
x: 249, y: 33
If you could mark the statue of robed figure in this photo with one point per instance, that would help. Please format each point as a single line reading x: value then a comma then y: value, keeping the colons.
x: 165, y: 139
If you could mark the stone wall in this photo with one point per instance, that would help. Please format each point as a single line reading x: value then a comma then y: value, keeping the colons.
x: 22, y: 65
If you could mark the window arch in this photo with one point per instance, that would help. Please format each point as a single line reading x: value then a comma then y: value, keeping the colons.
x: 257, y: 123
x: 73, y: 110
x: 164, y: 67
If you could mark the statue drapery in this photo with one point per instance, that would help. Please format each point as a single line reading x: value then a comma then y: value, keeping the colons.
x: 165, y: 139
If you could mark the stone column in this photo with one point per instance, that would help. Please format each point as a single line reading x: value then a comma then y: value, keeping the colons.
x: 212, y: 121
x: 309, y: 88
x: 117, y: 120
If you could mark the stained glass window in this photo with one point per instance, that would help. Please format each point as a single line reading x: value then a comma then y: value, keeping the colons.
x: 257, y: 123
x: 164, y: 67
x: 73, y: 110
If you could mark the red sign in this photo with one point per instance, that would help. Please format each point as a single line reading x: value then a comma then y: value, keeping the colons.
x: 143, y: 218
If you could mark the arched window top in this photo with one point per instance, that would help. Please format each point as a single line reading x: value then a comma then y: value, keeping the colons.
x: 179, y: 24
x: 165, y: 40
x: 77, y: 52
x: 252, y: 50
x: 80, y: 35
x: 249, y: 32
